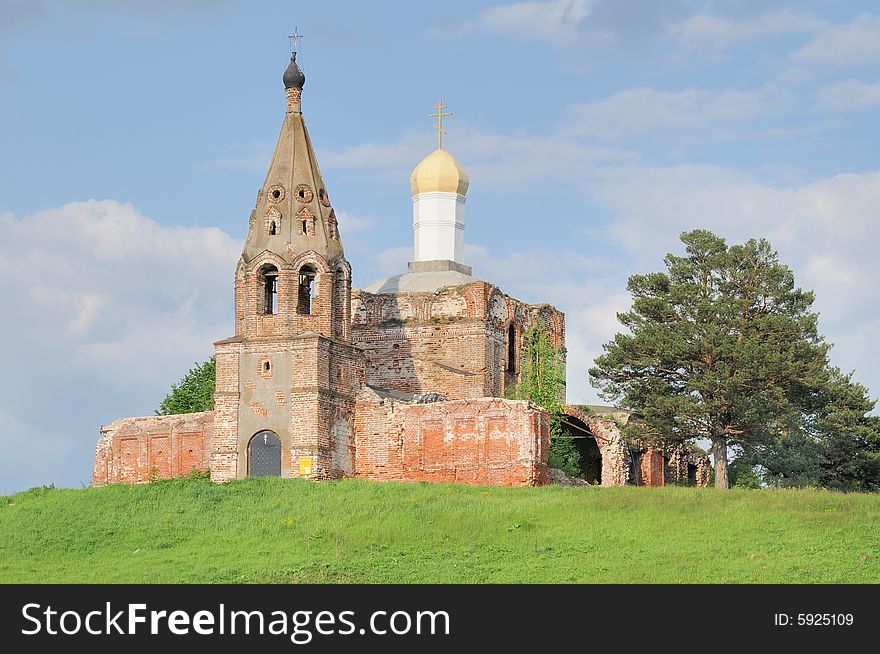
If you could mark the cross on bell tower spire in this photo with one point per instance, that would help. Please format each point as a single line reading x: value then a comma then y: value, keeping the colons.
x: 295, y: 38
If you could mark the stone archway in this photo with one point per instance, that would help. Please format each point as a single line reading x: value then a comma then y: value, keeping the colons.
x: 264, y: 455
x: 587, y: 447
x: 612, y: 465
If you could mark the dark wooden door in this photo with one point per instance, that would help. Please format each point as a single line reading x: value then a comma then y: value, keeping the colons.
x: 264, y: 455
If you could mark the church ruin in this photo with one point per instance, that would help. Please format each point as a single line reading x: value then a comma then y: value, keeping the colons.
x: 403, y: 380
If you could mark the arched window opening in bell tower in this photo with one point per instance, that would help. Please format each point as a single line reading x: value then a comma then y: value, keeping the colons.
x: 269, y: 279
x: 511, y: 348
x: 306, y: 295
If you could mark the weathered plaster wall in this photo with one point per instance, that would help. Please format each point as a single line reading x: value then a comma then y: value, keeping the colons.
x: 306, y: 395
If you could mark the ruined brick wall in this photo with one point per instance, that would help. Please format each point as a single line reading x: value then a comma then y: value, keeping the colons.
x: 685, y: 466
x: 378, y: 437
x: 138, y: 450
x: 484, y: 441
x: 652, y: 468
x: 227, y: 395
x: 703, y: 469
x: 662, y: 465
x: 616, y: 458
x: 454, y: 341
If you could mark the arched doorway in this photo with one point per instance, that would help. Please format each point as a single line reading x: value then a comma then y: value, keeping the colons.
x: 264, y: 455
x: 590, y: 457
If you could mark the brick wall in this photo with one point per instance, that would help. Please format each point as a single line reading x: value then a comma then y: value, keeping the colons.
x: 682, y: 465
x: 652, y: 468
x: 138, y: 450
x: 378, y: 437
x: 482, y: 441
x: 302, y: 388
x: 329, y: 308
x: 616, y: 459
x: 453, y: 341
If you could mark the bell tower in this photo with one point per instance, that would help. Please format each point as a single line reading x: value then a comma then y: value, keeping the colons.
x: 287, y: 381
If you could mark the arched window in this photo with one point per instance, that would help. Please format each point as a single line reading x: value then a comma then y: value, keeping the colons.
x: 269, y: 280
x: 306, y: 294
x: 272, y: 228
x: 340, y: 309
x: 511, y: 348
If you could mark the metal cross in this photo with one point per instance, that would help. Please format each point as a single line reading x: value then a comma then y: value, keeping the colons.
x: 439, y: 116
x: 294, y: 40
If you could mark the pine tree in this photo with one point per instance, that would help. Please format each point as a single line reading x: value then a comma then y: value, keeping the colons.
x: 723, y: 346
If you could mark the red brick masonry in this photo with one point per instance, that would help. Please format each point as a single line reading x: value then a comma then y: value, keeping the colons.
x: 480, y: 441
x: 137, y: 450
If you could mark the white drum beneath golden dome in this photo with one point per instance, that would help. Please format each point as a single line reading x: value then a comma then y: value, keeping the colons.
x: 439, y: 184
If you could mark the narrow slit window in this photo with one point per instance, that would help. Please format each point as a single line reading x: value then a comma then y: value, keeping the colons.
x: 270, y: 290
x: 511, y: 348
x: 272, y: 228
x: 306, y: 290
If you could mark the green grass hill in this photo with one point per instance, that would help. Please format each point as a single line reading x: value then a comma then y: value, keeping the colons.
x: 273, y: 530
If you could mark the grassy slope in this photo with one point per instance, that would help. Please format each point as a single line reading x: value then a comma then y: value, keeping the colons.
x: 273, y: 530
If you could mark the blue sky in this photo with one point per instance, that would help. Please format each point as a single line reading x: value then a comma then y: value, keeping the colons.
x: 135, y: 135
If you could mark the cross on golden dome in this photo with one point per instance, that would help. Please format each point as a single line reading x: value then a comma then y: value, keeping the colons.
x: 439, y: 116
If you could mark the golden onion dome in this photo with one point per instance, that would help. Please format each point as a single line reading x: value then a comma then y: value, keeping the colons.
x: 439, y: 172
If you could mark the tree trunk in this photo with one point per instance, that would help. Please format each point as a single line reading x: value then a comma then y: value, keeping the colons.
x: 719, y: 453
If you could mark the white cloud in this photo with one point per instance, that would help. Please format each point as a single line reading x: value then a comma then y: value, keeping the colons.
x: 89, y: 271
x: 607, y: 22
x: 826, y: 230
x: 351, y: 224
x: 850, y: 45
x: 108, y: 308
x: 556, y: 21
x: 496, y: 160
x: 406, y: 152
x: 491, y: 159
x: 850, y: 94
x: 641, y: 111
x: 714, y: 32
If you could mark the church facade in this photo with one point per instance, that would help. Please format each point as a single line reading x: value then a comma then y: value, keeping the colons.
x: 403, y: 380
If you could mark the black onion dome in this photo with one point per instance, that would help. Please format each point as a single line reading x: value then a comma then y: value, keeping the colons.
x: 294, y: 78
